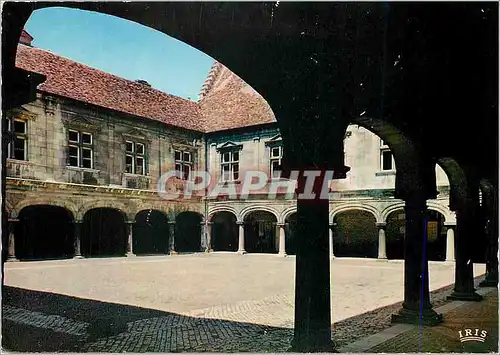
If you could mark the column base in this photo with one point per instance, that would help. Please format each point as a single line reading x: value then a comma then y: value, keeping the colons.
x: 313, y: 348
x: 429, y: 317
x: 282, y: 255
x: 78, y: 257
x: 12, y: 259
x: 172, y: 252
x: 241, y: 252
x: 465, y: 296
x: 130, y: 254
x: 488, y: 283
x: 209, y: 250
x: 382, y: 259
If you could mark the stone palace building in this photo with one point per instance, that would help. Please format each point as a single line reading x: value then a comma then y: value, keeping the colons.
x: 86, y: 157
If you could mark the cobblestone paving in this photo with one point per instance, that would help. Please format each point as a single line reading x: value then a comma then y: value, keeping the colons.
x: 252, y: 324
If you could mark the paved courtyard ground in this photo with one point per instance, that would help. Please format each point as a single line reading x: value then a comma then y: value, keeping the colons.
x: 197, y: 302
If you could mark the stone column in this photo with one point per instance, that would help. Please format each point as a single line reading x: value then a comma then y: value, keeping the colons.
x: 282, y: 245
x: 171, y: 238
x: 208, y: 236
x: 312, y: 329
x: 130, y: 229
x: 382, y: 254
x: 417, y: 308
x: 241, y: 237
x: 12, y: 246
x: 491, y: 278
x: 464, y: 267
x: 450, y: 242
x: 77, y: 241
x: 330, y: 239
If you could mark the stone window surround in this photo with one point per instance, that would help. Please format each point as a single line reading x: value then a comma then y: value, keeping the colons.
x: 134, y: 154
x: 383, y: 149
x: 81, y: 147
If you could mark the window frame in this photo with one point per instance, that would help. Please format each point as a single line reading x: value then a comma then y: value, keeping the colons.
x: 80, y: 147
x: 181, y: 164
x: 135, y: 156
x: 231, y: 163
x: 273, y: 159
x: 11, y: 146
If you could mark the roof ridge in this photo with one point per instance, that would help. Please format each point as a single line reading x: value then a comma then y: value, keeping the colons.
x: 209, y: 80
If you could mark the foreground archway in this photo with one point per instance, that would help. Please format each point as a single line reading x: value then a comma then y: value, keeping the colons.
x: 260, y: 232
x: 151, y: 233
x: 355, y: 234
x: 44, y: 232
x: 104, y: 233
x: 224, y: 232
x: 188, y: 232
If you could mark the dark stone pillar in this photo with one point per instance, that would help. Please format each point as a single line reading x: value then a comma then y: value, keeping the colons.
x: 77, y: 240
x: 464, y: 267
x: 491, y: 278
x: 312, y: 332
x: 12, y: 246
x: 417, y: 308
x: 130, y: 241
x: 171, y: 238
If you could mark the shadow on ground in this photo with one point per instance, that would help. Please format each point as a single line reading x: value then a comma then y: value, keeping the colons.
x: 37, y: 321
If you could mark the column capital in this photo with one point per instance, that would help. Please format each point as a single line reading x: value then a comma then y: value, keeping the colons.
x: 78, y: 221
x: 280, y: 224
x: 13, y: 220
x: 129, y: 222
x: 171, y: 222
x: 240, y: 223
x: 450, y: 224
x: 381, y: 224
x: 207, y: 223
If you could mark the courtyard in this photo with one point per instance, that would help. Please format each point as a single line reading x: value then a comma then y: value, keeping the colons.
x: 193, y: 302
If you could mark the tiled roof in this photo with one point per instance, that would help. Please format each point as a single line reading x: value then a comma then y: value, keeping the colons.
x: 77, y: 81
x: 227, y: 102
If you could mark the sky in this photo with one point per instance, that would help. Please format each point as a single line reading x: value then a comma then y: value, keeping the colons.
x: 121, y: 47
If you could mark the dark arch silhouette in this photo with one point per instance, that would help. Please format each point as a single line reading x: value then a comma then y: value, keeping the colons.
x: 150, y: 233
x: 260, y: 232
x: 224, y: 231
x: 355, y: 234
x: 188, y: 232
x: 44, y: 232
x: 103, y: 233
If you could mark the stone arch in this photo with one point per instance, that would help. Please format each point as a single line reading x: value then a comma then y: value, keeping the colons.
x: 128, y: 215
x: 287, y: 213
x: 66, y: 204
x: 434, y: 206
x: 253, y: 208
x: 362, y: 207
x: 392, y: 208
x: 212, y: 211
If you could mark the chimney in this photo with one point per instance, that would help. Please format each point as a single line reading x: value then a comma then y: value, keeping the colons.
x: 25, y: 38
x: 143, y: 82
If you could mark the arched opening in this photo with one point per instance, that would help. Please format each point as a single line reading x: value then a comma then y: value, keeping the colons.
x: 103, y: 233
x: 260, y: 232
x: 224, y: 232
x: 188, y: 232
x: 150, y: 233
x: 395, y: 234
x: 44, y: 232
x: 436, y: 236
x: 290, y: 228
x: 355, y: 234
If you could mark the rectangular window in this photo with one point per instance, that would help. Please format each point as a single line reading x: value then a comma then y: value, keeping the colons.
x: 387, y: 163
x: 183, y: 164
x: 18, y: 145
x: 230, y: 167
x: 276, y: 154
x: 135, y: 160
x: 80, y: 150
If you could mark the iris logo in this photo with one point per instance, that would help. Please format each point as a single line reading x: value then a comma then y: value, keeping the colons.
x: 472, y: 335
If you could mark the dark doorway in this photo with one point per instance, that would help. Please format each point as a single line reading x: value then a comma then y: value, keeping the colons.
x: 224, y: 232
x: 395, y: 235
x: 188, y: 232
x: 150, y: 234
x: 355, y: 234
x: 290, y: 228
x: 260, y: 232
x: 44, y: 232
x: 104, y: 233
